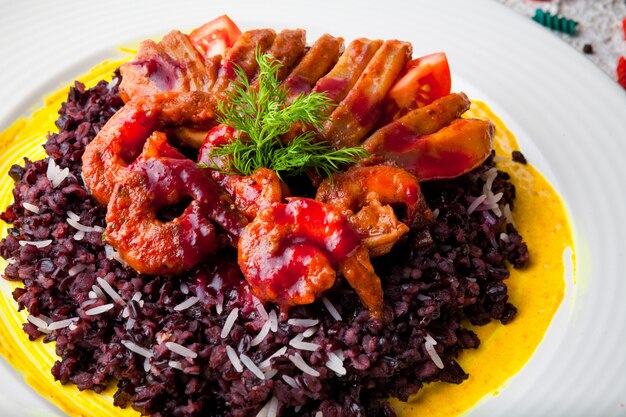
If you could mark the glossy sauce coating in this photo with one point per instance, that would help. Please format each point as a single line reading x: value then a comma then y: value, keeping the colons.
x: 290, y: 252
x: 122, y: 138
x: 153, y: 246
x: 364, y: 196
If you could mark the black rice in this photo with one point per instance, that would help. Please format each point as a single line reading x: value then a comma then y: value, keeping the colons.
x: 451, y: 271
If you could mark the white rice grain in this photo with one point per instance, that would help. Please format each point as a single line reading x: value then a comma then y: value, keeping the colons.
x: 110, y: 291
x: 229, y: 323
x: 303, y: 322
x: 338, y: 369
x: 130, y: 323
x: 260, y: 337
x: 76, y: 269
x: 479, y: 200
x: 297, y: 360
x: 290, y: 381
x: 99, y: 310
x: 55, y: 174
x: 30, y: 207
x: 112, y: 84
x: 56, y: 325
x: 72, y: 215
x: 89, y: 302
x: 260, y: 308
x: 267, y: 362
x: 270, y: 373
x: 489, y: 176
x: 98, y: 291
x: 133, y: 347
x: 298, y: 343
x: 40, y: 323
x: 272, y: 411
x: 310, y: 332
x: 263, y: 411
x: 81, y: 227
x: 429, y: 345
x: 37, y: 243
x: 273, y: 318
x: 248, y: 363
x: 335, y: 363
x: 181, y: 350
x: 112, y: 254
x: 331, y: 309
x: 506, y: 210
x: 234, y: 359
x: 191, y: 301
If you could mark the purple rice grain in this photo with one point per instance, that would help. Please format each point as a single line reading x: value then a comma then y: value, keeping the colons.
x: 519, y: 157
x: 452, y: 271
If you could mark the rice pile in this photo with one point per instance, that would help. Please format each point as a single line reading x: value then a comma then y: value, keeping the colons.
x: 200, y: 345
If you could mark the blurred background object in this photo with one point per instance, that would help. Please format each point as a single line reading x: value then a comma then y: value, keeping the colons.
x: 600, y: 32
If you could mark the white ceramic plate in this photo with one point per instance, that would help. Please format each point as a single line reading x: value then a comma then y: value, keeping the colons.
x: 570, y: 119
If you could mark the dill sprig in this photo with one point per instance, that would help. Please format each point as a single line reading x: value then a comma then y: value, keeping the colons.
x: 261, y: 114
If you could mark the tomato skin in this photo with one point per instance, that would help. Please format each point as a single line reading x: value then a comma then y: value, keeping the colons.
x: 215, y: 37
x: 423, y: 81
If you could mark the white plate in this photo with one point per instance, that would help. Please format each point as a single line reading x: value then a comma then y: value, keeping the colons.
x: 569, y: 116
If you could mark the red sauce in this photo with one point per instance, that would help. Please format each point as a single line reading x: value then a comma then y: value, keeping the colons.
x: 364, y: 110
x: 153, y: 246
x: 219, y: 135
x: 335, y: 88
x: 322, y: 226
x: 289, y: 253
x: 228, y: 70
x: 297, y: 85
x: 441, y: 164
x: 398, y: 138
x: 164, y: 74
x: 448, y: 153
x: 133, y: 131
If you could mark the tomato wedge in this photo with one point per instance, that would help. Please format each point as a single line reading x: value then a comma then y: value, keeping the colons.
x: 215, y: 37
x: 424, y: 80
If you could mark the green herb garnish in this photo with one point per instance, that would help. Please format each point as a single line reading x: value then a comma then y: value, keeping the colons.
x: 261, y: 114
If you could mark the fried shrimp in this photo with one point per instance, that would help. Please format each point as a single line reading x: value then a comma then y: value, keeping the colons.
x: 152, y: 245
x: 250, y: 193
x: 290, y: 254
x: 121, y: 140
x: 365, y: 195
